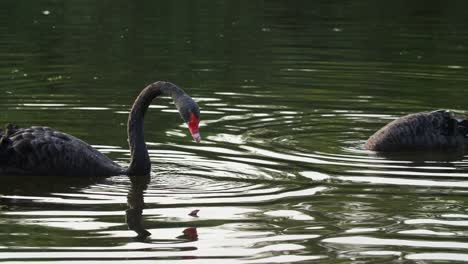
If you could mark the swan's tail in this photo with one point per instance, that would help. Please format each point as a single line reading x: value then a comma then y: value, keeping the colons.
x: 5, y: 143
x: 463, y: 126
x: 8, y: 130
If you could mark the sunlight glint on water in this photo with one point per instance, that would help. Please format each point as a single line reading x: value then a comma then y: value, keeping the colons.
x: 288, y: 94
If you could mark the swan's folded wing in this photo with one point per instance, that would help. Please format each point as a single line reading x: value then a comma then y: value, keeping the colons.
x: 419, y: 131
x: 44, y: 151
x: 38, y: 149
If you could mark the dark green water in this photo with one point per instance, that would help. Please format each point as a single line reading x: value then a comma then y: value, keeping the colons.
x: 289, y: 92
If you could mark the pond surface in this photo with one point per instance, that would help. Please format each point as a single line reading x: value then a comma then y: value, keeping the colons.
x: 289, y: 91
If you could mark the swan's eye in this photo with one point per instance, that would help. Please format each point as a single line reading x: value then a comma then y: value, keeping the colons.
x: 193, y: 127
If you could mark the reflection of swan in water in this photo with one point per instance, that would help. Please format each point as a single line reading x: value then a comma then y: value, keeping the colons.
x: 44, y: 151
x: 437, y: 130
x: 136, y: 204
x: 11, y: 187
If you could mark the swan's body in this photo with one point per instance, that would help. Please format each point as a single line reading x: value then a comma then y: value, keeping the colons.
x: 44, y: 151
x: 437, y: 130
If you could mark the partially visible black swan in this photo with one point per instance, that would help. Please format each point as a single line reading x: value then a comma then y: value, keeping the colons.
x: 437, y: 130
x: 45, y: 151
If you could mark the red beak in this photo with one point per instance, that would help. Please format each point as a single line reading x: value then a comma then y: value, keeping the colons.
x: 193, y: 127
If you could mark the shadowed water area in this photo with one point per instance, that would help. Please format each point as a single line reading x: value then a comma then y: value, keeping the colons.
x: 289, y: 92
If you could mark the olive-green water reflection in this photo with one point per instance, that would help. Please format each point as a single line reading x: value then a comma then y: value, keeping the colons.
x: 289, y: 93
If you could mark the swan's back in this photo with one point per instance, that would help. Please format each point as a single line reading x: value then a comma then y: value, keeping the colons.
x: 419, y: 131
x: 44, y: 151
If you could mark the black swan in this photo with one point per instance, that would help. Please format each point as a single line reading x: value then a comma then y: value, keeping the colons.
x: 437, y: 130
x: 45, y: 151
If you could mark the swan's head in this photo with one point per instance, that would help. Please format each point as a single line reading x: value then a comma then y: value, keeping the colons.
x: 190, y: 113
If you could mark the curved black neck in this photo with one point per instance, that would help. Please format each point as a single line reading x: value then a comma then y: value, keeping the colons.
x: 140, y: 162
